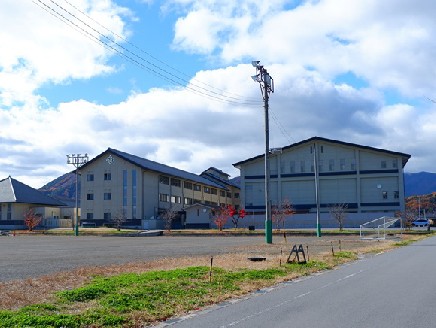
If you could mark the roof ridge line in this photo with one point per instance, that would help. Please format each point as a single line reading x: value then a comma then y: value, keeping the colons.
x: 12, y: 188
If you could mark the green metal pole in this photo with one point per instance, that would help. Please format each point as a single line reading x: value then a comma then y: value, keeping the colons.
x: 268, y: 231
x: 318, y: 230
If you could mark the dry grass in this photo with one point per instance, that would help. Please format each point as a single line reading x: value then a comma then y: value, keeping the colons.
x: 19, y: 293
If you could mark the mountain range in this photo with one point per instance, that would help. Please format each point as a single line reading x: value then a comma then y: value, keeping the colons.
x: 64, y: 187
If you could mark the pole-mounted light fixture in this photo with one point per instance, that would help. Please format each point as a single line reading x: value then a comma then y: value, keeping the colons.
x: 77, y: 160
x: 266, y: 87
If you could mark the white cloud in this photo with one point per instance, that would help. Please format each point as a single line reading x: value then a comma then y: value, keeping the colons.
x: 387, y: 44
x: 43, y: 49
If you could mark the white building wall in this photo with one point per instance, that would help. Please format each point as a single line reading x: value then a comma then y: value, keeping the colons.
x: 370, y: 181
x: 150, y: 194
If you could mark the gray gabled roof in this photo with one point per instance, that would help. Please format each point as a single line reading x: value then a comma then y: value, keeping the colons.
x: 405, y: 157
x: 147, y: 164
x: 223, y: 182
x: 14, y: 191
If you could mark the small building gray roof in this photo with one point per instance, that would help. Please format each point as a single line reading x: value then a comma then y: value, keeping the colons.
x: 147, y: 164
x: 14, y: 191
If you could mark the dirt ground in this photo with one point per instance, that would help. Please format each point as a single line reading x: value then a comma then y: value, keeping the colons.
x: 18, y: 293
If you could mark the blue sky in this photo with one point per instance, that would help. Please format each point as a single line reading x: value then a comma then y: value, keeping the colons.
x: 368, y: 64
x: 151, y: 34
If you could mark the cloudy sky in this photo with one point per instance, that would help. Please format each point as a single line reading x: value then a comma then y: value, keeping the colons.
x: 170, y: 80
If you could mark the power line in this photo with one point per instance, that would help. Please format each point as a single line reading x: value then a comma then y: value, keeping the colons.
x: 151, y: 56
x: 193, y: 85
x: 137, y: 59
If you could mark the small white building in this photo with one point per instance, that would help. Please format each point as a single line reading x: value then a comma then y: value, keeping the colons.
x: 368, y: 180
x: 16, y: 198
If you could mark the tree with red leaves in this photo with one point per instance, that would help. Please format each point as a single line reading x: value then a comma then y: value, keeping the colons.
x: 31, y: 220
x: 220, y: 218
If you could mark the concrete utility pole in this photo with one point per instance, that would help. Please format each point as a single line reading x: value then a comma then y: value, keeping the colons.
x: 266, y: 86
x: 77, y: 160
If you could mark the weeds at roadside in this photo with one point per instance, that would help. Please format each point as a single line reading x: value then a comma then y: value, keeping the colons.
x: 117, y: 300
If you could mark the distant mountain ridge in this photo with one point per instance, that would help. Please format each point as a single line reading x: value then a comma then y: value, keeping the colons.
x: 64, y: 187
x: 422, y: 183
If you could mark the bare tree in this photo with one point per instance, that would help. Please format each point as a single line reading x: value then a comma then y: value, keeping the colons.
x: 119, y: 218
x: 168, y: 216
x: 339, y: 213
x: 280, y: 212
x: 31, y: 220
x: 408, y: 216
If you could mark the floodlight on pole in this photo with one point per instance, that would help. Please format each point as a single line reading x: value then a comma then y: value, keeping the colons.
x: 77, y: 160
x: 266, y: 87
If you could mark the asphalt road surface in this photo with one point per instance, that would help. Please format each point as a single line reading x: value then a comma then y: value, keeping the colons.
x: 391, y: 290
x: 32, y: 256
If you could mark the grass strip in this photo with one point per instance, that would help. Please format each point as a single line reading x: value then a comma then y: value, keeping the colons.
x: 131, y: 299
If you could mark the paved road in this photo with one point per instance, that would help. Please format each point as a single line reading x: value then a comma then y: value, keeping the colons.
x: 392, y: 290
x: 32, y: 256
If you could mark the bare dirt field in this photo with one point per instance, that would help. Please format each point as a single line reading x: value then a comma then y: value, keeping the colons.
x: 111, y: 256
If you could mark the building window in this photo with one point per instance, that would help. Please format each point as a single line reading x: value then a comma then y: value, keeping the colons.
x: 176, y: 182
x: 133, y: 194
x: 107, y: 196
x: 302, y: 166
x: 187, y: 185
x: 89, y: 196
x: 394, y: 163
x: 322, y: 149
x: 90, y: 177
x: 164, y: 198
x: 385, y: 194
x: 222, y: 193
x: 214, y: 191
x: 383, y: 164
x: 282, y: 166
x: 197, y: 187
x: 164, y: 180
x: 331, y: 165
x: 206, y: 190
x: 292, y: 166
x: 176, y: 199
x: 107, y: 216
x: 89, y: 216
x: 320, y: 165
x: 188, y: 201
x: 229, y: 195
x: 396, y: 194
x: 236, y: 194
x: 124, y: 188
x: 342, y: 164
x: 107, y: 176
x: 9, y: 212
x: 353, y: 165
